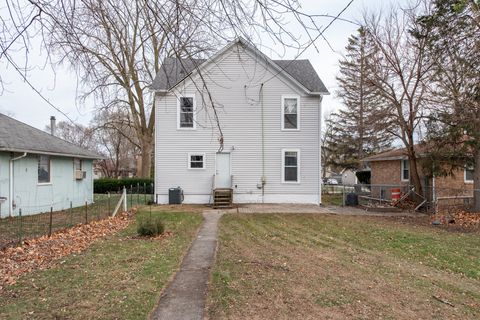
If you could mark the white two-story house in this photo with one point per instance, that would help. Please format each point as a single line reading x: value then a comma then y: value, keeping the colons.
x: 238, y: 125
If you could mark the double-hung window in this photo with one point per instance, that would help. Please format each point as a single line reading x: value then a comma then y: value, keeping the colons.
x: 290, y: 112
x: 77, y: 164
x: 43, y: 169
x: 196, y: 161
x: 468, y: 175
x: 405, y: 170
x: 186, y: 113
x: 290, y: 165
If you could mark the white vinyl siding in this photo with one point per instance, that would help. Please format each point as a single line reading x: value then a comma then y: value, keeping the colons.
x: 235, y: 83
x: 405, y: 171
x: 290, y: 112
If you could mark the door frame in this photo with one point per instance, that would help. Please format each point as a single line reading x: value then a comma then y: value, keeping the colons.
x: 230, y: 164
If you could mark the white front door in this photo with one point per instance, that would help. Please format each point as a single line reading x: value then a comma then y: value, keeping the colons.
x: 222, y: 173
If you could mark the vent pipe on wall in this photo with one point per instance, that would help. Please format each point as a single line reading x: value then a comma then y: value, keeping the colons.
x: 53, y: 125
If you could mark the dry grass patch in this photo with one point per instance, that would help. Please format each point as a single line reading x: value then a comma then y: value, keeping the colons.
x: 285, y: 266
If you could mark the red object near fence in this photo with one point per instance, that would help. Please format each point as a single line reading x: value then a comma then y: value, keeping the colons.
x: 396, y: 193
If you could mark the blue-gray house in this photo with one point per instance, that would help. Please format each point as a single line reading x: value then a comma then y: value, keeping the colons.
x: 39, y: 170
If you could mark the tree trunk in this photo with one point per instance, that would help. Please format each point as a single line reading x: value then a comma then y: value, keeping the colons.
x: 414, y: 176
x: 476, y: 182
x: 145, y: 168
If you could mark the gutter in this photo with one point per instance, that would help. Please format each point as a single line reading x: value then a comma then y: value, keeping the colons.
x: 68, y: 155
x: 10, y: 193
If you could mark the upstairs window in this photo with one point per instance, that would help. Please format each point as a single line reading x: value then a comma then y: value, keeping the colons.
x: 290, y: 112
x: 186, y: 114
x: 43, y: 169
x: 196, y: 161
x: 405, y: 170
x: 468, y: 175
x: 290, y: 170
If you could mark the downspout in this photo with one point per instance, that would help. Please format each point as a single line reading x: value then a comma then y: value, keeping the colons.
x: 264, y: 181
x: 320, y: 151
x: 10, y: 194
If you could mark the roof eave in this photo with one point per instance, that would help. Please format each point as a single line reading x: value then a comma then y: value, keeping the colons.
x: 70, y: 155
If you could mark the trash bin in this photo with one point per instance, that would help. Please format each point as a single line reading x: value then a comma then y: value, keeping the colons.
x: 352, y: 199
x: 175, y: 195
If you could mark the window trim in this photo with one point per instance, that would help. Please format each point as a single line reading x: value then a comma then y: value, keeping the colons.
x: 403, y: 168
x: 298, y: 165
x: 282, y: 125
x: 194, y: 112
x: 189, y: 161
x: 49, y: 182
x: 465, y: 175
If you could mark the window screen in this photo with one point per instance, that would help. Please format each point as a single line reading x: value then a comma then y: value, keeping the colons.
x: 290, y: 114
x: 43, y: 169
x: 186, y: 112
x: 291, y: 166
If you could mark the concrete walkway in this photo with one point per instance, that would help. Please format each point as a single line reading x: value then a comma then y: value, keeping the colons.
x: 184, y: 298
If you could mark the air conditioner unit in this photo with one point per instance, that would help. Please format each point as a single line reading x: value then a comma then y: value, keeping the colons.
x: 80, y: 175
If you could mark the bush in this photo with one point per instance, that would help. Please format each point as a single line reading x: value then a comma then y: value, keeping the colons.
x: 150, y: 227
x: 138, y: 185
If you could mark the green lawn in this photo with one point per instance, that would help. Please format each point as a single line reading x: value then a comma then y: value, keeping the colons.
x: 332, y: 199
x: 117, y: 278
x: 288, y: 266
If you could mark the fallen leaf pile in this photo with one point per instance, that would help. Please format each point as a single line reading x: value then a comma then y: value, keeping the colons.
x: 459, y: 217
x: 44, y: 252
x: 405, y: 204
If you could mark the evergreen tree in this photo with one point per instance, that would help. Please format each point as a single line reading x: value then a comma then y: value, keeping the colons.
x: 359, y: 131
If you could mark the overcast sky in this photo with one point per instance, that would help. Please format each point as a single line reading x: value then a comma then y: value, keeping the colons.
x: 60, y: 87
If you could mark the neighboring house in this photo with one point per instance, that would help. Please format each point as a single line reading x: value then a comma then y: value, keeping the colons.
x: 349, y: 177
x: 392, y: 169
x: 39, y: 170
x: 269, y: 112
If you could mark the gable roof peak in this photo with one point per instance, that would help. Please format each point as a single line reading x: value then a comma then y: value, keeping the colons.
x: 300, y: 71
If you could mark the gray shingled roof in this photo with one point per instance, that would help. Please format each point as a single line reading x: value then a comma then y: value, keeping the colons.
x: 173, y: 70
x: 20, y: 137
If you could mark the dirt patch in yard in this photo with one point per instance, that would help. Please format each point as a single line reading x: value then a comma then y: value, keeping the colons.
x: 335, y: 267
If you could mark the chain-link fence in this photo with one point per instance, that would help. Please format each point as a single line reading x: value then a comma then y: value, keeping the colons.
x: 431, y: 199
x: 14, y: 230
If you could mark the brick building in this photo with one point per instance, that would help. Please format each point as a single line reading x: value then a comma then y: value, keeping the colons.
x: 391, y: 170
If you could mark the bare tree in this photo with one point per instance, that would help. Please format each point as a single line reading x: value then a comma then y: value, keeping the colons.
x: 453, y: 37
x: 117, y: 46
x: 115, y: 137
x: 400, y: 74
x: 77, y: 134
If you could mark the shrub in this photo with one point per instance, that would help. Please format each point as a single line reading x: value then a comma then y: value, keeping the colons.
x: 138, y: 185
x: 150, y: 227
